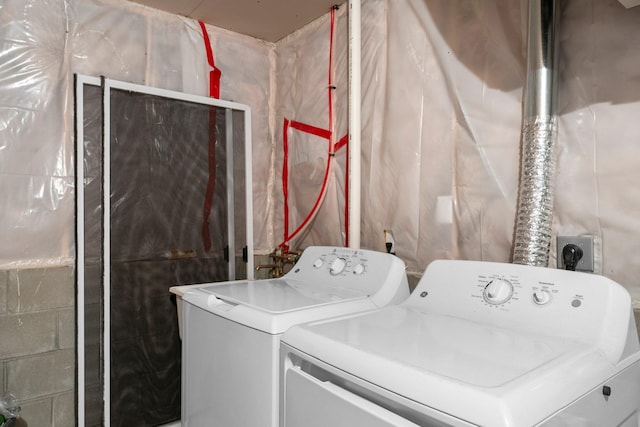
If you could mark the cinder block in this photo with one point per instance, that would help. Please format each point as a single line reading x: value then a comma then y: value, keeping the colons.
x: 66, y: 328
x: 35, y: 413
x: 40, y: 289
x: 4, y: 279
x: 41, y: 375
x: 64, y: 410
x: 26, y: 334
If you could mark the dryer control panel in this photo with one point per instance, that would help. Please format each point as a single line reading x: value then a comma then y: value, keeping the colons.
x: 578, y: 306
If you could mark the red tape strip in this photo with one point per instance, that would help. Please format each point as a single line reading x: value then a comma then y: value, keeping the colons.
x: 343, y: 141
x: 346, y: 195
x: 285, y: 178
x: 214, y: 91
x: 322, y: 133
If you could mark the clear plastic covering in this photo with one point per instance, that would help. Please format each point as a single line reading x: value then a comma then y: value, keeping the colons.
x: 302, y: 95
x: 441, y: 108
x: 42, y: 44
x: 421, y: 148
x: 442, y: 118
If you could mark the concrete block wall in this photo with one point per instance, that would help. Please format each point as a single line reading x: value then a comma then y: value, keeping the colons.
x: 37, y: 343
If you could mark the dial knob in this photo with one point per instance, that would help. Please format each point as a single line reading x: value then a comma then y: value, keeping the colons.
x: 358, y: 269
x: 337, y: 266
x: 498, y: 291
x: 318, y: 263
x: 541, y: 297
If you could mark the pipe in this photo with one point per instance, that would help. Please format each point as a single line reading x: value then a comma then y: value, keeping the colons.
x: 539, y: 135
x: 355, y: 144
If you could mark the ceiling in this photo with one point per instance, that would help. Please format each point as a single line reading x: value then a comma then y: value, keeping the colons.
x: 268, y: 20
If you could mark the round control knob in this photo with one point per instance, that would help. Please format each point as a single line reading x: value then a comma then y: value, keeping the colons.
x: 337, y: 266
x: 358, y: 269
x: 541, y: 297
x: 318, y: 263
x: 498, y: 291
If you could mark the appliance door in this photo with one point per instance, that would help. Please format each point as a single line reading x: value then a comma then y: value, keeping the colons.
x: 619, y: 407
x: 229, y: 372
x: 310, y: 402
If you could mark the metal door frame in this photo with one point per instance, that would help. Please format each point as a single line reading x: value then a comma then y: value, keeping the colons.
x: 106, y: 85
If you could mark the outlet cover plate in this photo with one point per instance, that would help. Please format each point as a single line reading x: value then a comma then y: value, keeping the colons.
x: 585, y: 243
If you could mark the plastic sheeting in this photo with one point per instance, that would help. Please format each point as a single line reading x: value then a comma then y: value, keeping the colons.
x: 420, y: 145
x: 442, y: 102
x: 302, y: 68
x: 442, y: 113
x: 42, y: 44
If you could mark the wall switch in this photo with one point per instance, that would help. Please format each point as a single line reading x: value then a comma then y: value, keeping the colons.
x: 585, y: 243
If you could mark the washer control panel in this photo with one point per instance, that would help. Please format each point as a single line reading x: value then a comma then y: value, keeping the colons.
x: 338, y: 262
x: 362, y: 269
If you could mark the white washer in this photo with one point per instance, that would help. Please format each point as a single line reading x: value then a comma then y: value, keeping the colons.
x: 231, y: 331
x: 476, y: 344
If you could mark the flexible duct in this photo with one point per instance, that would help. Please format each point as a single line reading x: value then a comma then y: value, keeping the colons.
x: 539, y: 135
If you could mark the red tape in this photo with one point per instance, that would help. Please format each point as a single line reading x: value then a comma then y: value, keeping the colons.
x: 285, y: 179
x: 215, y: 74
x: 322, y: 133
x: 343, y: 141
x: 214, y: 91
x: 346, y: 194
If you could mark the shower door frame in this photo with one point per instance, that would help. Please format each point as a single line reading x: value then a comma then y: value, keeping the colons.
x: 106, y: 85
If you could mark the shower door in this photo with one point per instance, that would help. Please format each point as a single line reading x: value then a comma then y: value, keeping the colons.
x: 163, y: 198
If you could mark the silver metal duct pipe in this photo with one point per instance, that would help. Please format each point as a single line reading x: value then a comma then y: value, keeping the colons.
x: 539, y: 135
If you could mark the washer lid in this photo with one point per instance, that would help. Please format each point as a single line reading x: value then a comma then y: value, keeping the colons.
x: 273, y: 306
x: 441, y: 361
x: 279, y: 295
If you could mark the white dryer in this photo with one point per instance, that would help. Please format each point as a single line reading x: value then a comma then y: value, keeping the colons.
x: 231, y: 331
x: 476, y: 344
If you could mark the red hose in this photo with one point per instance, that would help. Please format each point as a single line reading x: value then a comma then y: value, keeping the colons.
x: 306, y: 128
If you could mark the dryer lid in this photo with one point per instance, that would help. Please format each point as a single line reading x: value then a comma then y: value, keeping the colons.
x: 431, y: 345
x: 441, y: 361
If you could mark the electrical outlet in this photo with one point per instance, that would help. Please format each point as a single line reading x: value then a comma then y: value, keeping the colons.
x: 585, y: 243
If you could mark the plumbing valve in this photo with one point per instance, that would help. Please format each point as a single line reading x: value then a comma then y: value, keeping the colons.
x: 281, y: 257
